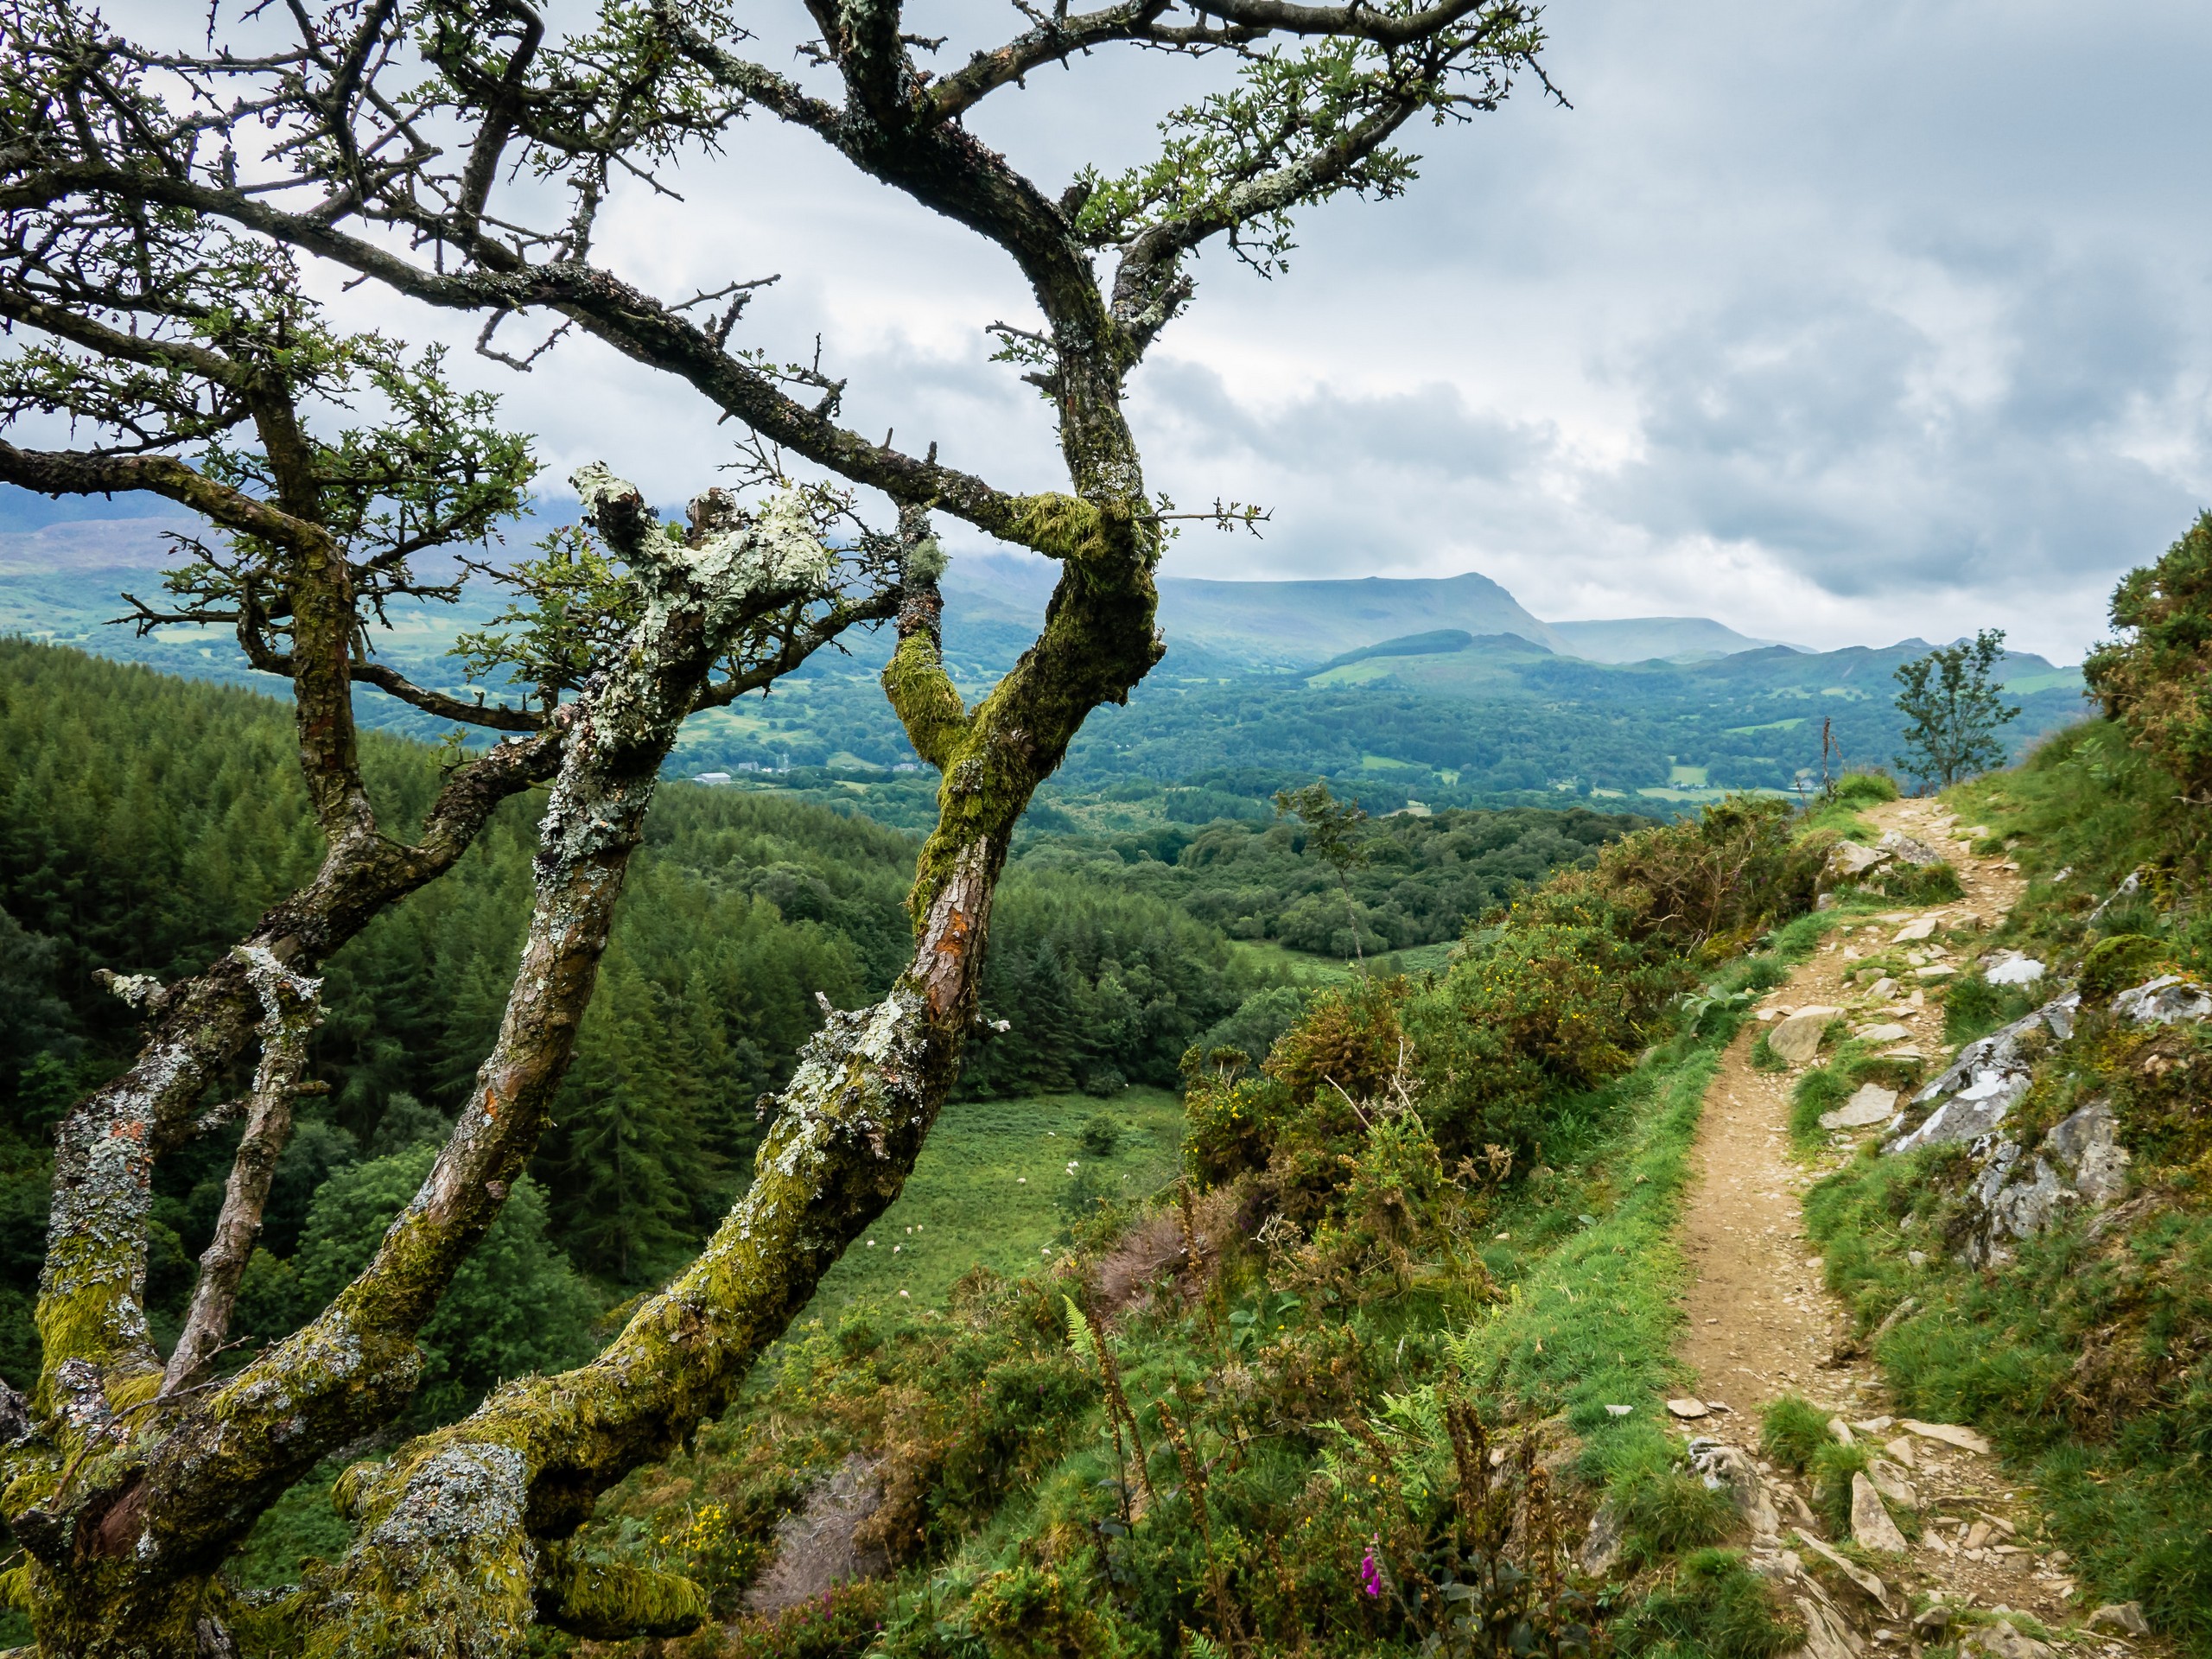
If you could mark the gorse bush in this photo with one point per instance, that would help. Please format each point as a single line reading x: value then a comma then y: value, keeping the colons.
x: 1711, y: 884
x: 1552, y: 994
x: 2155, y: 680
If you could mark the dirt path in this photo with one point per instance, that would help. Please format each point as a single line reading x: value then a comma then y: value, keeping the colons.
x: 1761, y: 1323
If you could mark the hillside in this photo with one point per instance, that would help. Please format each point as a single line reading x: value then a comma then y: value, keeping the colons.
x: 1467, y: 1332
x: 1399, y: 1350
x: 145, y: 820
x: 1264, y: 684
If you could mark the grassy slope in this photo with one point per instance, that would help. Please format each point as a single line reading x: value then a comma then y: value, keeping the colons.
x: 1589, y: 1281
x: 2088, y: 1362
x: 992, y: 1187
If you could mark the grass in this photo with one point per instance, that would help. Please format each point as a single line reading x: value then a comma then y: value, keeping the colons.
x: 1302, y: 967
x: 2089, y: 1367
x: 1297, y: 967
x: 1711, y: 1606
x: 992, y: 1186
x: 1594, y: 1306
x: 1791, y: 1429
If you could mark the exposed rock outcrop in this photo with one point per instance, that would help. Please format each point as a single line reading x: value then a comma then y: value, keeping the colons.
x: 1974, y: 1094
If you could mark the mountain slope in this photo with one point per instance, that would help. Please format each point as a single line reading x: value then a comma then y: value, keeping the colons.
x: 1641, y: 639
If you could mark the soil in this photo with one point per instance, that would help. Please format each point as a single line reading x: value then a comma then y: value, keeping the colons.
x: 1761, y: 1323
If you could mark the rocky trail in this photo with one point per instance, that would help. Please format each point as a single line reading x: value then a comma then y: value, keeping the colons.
x: 1760, y: 1324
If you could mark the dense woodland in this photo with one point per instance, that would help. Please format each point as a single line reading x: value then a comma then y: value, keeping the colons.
x: 144, y: 821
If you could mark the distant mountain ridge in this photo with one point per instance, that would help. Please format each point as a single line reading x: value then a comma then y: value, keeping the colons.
x: 1317, y: 623
x: 995, y: 599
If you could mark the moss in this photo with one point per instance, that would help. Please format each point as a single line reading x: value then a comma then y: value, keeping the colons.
x: 2125, y: 959
x: 609, y: 1601
x: 1063, y: 527
x: 928, y: 704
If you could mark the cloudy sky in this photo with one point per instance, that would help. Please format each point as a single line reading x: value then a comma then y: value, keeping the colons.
x: 1837, y: 322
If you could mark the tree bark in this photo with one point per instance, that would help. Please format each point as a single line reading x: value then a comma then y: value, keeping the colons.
x: 290, y: 1014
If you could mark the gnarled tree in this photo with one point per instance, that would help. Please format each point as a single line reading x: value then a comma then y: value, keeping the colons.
x: 416, y: 145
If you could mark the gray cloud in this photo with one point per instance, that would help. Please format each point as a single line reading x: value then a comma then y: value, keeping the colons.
x: 1837, y: 319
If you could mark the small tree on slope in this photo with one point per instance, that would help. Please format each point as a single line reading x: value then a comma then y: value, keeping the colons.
x: 1951, y: 710
x: 461, y: 155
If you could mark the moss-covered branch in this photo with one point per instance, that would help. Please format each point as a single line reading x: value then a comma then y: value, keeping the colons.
x: 131, y: 1496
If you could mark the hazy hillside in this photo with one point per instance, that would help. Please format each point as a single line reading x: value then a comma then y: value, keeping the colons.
x: 1445, y: 692
x: 1639, y: 638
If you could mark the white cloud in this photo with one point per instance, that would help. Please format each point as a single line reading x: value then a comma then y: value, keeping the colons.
x: 1836, y: 321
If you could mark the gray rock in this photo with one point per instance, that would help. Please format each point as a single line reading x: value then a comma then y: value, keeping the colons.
x: 2168, y: 1000
x: 1826, y: 1635
x: 2000, y: 1640
x: 1603, y: 1546
x: 1848, y: 861
x: 2015, y: 1196
x: 2086, y: 1147
x: 1730, y: 1469
x: 2123, y: 1616
x: 2015, y: 970
x: 1867, y: 1583
x: 1872, y: 1104
x: 1895, y: 1485
x: 1870, y: 1519
x: 1797, y: 1039
x: 1909, y: 849
x: 1975, y: 1092
x: 2015, y: 1208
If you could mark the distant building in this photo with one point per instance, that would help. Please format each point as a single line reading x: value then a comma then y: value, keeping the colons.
x: 906, y: 765
x: 710, y: 777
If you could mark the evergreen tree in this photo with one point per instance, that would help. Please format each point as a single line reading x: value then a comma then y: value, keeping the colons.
x: 515, y: 1307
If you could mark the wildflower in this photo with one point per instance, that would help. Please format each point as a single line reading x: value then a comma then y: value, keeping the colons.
x: 1370, y: 1574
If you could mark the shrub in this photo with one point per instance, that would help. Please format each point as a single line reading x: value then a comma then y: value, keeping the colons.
x: 1864, y: 789
x: 1791, y: 1430
x: 1227, y: 1126
x: 1552, y: 999
x: 1101, y: 1134
x: 1349, y: 1039
x: 1920, y: 884
x: 1711, y: 883
x: 2158, y: 681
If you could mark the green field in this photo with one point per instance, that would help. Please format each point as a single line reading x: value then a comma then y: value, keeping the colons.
x: 993, y: 1187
